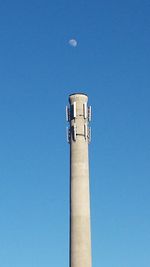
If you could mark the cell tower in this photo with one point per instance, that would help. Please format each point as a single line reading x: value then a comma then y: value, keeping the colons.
x: 78, y: 114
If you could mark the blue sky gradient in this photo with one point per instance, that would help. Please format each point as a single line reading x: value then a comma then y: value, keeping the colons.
x: 38, y: 70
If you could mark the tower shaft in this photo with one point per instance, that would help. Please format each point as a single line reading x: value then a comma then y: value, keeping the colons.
x: 79, y: 136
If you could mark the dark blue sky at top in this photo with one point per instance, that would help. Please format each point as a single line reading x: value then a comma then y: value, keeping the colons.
x: 38, y: 70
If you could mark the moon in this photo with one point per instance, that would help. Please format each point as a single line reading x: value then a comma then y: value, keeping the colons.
x: 73, y: 42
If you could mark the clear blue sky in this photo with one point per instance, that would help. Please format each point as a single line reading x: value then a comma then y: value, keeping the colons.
x: 38, y: 69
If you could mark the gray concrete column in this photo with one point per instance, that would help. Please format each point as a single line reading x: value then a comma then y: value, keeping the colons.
x: 79, y: 137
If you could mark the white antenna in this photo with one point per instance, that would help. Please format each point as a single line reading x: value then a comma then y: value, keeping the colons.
x: 74, y: 110
x: 85, y: 131
x: 89, y: 113
x: 74, y: 132
x: 85, y: 110
x: 89, y: 134
x: 67, y: 113
x: 68, y: 134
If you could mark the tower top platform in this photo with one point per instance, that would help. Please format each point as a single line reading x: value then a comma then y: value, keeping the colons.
x: 78, y: 94
x: 79, y: 97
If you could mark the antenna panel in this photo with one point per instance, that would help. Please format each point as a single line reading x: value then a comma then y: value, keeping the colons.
x: 85, y: 110
x: 74, y: 110
x: 68, y: 134
x: 74, y: 132
x: 67, y: 113
x: 89, y: 134
x: 89, y: 113
x: 85, y: 131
